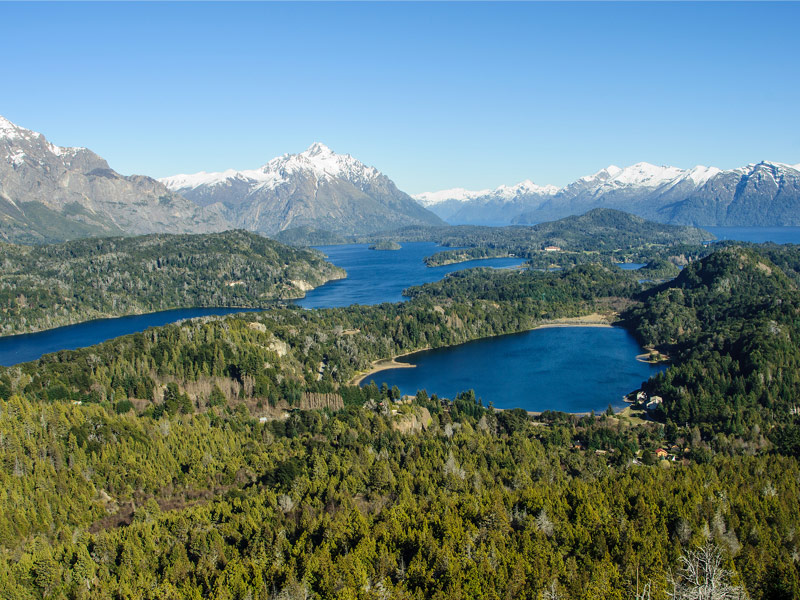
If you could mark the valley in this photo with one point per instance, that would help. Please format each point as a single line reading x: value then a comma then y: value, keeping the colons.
x: 249, y: 423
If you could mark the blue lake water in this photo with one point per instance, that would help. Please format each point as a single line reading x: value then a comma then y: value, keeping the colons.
x: 758, y: 235
x: 375, y: 276
x: 630, y: 266
x: 571, y: 369
x: 30, y: 346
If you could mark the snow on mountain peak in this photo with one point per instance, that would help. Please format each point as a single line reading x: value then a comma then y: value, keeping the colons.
x: 12, y: 132
x: 603, y: 174
x: 8, y: 130
x: 323, y: 163
x: 318, y: 148
x: 504, y: 192
x: 524, y: 187
x: 459, y: 194
x: 318, y: 160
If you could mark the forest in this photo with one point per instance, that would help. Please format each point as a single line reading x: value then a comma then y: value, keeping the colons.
x: 48, y: 286
x: 184, y: 461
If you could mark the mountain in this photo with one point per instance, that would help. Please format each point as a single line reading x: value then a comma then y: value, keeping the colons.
x: 316, y: 188
x: 763, y: 194
x: 49, y: 193
x: 766, y: 194
x: 639, y: 189
x: 460, y: 206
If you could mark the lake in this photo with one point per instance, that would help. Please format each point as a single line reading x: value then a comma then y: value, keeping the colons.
x: 570, y: 369
x: 30, y: 346
x: 757, y: 235
x: 376, y: 276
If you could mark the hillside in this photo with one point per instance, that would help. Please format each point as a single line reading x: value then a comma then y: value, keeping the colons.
x: 611, y: 233
x: 49, y: 286
x: 729, y: 321
x: 49, y: 194
x: 316, y: 189
x: 183, y: 462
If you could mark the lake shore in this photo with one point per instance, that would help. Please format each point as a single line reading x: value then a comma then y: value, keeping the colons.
x: 592, y: 320
x: 383, y: 364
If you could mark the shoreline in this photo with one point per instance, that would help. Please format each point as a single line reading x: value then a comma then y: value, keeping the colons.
x: 383, y: 364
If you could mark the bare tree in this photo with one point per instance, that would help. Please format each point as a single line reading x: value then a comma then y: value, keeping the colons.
x: 704, y: 576
x: 551, y: 592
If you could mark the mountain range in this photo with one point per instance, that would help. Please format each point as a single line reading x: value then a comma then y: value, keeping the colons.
x: 762, y: 194
x: 316, y: 188
x: 49, y: 193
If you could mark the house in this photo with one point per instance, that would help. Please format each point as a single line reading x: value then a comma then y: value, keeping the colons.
x: 641, y: 396
x: 552, y: 249
x: 654, y: 403
x: 661, y: 453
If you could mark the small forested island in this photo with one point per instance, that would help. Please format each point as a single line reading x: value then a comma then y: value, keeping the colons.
x: 602, y: 232
x: 230, y: 457
x: 49, y: 286
x: 385, y: 245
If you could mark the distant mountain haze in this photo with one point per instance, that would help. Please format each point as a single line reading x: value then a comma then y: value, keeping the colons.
x: 762, y: 194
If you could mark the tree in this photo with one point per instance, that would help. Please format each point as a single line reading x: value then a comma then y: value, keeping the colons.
x: 704, y: 576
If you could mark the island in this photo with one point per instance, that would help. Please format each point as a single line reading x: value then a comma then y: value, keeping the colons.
x: 385, y: 245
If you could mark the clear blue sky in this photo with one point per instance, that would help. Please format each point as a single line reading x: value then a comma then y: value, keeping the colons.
x: 434, y: 95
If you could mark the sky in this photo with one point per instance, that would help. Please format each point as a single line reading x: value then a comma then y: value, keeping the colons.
x: 435, y: 95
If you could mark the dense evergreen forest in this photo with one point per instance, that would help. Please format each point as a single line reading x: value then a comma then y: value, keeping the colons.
x: 184, y: 461
x: 605, y: 233
x: 49, y: 286
x: 602, y: 234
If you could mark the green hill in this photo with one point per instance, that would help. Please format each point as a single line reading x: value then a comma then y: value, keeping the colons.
x: 49, y: 286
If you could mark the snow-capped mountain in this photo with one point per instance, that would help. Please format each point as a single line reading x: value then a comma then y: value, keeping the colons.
x: 759, y: 194
x: 639, y: 189
x: 50, y: 193
x: 485, y: 206
x: 316, y: 188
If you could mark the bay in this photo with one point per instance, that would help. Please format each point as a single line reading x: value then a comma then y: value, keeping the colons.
x: 570, y: 369
x: 376, y: 276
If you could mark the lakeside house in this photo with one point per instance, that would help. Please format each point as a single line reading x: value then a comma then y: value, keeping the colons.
x: 552, y: 249
x: 654, y: 403
x: 661, y: 453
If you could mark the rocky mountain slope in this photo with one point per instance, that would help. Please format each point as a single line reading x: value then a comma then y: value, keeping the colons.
x: 763, y: 194
x: 316, y: 188
x: 759, y: 194
x: 49, y: 193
